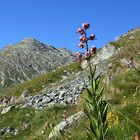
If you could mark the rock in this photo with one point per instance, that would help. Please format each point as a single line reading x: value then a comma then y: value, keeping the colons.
x: 63, y: 102
x: 51, y: 103
x: 60, y: 88
x: 27, y: 115
x: 64, y: 125
x: 104, y: 54
x: 7, y: 109
x: 129, y: 63
x: 46, y: 99
x: 38, y: 100
x: 62, y: 94
x: 7, y: 130
x: 13, y: 100
x: 24, y: 105
x: 64, y: 77
x: 24, y: 95
x: 81, y: 88
x: 5, y: 102
x: 1, y: 132
x: 69, y: 99
x: 25, y: 125
x: 15, y: 132
x: 53, y: 95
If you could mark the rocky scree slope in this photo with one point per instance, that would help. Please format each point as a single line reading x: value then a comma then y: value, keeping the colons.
x: 29, y: 58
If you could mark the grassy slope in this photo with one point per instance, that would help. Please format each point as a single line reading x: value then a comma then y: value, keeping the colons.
x: 36, y: 120
x: 17, y: 117
x: 123, y: 93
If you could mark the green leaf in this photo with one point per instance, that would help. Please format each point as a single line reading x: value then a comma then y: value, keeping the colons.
x: 93, y: 73
x: 89, y: 93
x: 93, y: 129
x: 101, y: 91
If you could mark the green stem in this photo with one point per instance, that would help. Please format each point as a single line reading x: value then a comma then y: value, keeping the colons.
x: 89, y: 63
x: 91, y: 76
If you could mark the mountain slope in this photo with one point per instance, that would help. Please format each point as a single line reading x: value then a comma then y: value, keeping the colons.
x: 118, y: 61
x: 122, y: 80
x: 29, y: 58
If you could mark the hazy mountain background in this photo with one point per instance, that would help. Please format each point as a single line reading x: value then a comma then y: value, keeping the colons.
x: 29, y: 58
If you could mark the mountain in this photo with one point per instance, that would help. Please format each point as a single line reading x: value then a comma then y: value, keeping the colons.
x: 29, y: 58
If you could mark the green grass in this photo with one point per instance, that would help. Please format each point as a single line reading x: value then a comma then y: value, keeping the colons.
x: 126, y: 102
x: 36, y: 120
x: 127, y: 109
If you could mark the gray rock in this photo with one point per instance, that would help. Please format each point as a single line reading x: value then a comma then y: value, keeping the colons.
x: 13, y: 100
x: 65, y: 125
x: 53, y: 95
x: 5, y: 102
x: 62, y: 94
x: 46, y: 99
x: 7, y: 109
x: 69, y: 99
x: 7, y: 130
x: 51, y: 103
x: 39, y: 99
x: 128, y: 63
x: 64, y: 77
x: 104, y: 54
x: 24, y: 95
x: 63, y: 102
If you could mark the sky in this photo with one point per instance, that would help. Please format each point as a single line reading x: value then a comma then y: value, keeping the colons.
x: 54, y: 22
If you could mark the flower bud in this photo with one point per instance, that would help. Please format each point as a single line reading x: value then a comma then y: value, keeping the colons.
x: 81, y: 45
x: 93, y: 50
x: 85, y: 25
x: 82, y: 39
x: 79, y: 59
x: 92, y: 37
x: 87, y: 55
x: 80, y: 31
x: 79, y: 56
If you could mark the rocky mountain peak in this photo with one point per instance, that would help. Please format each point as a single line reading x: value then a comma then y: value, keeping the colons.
x: 29, y: 58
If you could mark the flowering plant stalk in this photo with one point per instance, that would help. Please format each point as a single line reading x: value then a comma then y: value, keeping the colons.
x: 97, y: 106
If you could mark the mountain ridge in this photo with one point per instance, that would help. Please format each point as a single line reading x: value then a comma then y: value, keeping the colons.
x: 29, y: 58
